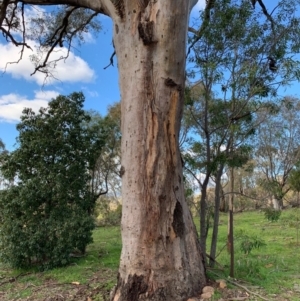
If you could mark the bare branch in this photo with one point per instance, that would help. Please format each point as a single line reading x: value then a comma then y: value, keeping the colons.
x: 61, y: 30
x: 205, y: 23
x: 100, y: 6
x: 193, y: 30
x: 9, y: 24
x: 111, y: 60
x: 12, y: 39
x: 3, y: 9
x: 268, y: 16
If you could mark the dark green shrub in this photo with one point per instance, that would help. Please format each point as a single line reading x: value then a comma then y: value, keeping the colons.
x: 47, y: 214
x: 30, y: 238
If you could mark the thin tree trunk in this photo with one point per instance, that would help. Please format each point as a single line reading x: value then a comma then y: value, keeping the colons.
x: 230, y: 240
x: 203, y: 216
x: 161, y: 257
x: 214, y: 239
x: 223, y: 205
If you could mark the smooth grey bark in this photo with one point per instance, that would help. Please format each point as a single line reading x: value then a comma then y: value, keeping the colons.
x: 161, y: 257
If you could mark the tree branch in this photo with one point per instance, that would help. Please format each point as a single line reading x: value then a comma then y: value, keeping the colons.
x: 111, y: 60
x: 193, y: 30
x: 61, y: 30
x: 9, y: 24
x: 268, y: 16
x: 205, y: 23
x: 3, y: 9
x: 101, y: 6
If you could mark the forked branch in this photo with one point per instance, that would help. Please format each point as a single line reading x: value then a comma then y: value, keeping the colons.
x: 56, y: 38
x: 9, y: 25
x: 268, y: 16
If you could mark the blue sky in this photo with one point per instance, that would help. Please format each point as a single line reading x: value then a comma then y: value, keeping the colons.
x: 83, y: 71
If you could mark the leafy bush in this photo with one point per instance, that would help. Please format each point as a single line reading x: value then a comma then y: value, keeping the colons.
x: 46, y: 215
x: 29, y: 238
x: 272, y: 215
x: 107, y: 212
x: 113, y: 218
x: 248, y: 243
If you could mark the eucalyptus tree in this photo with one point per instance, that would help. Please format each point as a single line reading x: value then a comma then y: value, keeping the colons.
x: 105, y: 174
x: 161, y: 258
x: 241, y: 60
x: 278, y: 149
x: 209, y: 150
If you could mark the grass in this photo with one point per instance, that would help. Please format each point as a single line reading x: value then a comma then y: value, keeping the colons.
x: 274, y: 267
x: 96, y: 270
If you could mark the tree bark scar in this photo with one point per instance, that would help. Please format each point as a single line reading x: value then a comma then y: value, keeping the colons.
x: 119, y: 6
x: 146, y: 32
x: 169, y: 82
x: 178, y: 224
x: 133, y: 288
x: 171, y: 128
x: 162, y: 197
x: 143, y: 4
x: 122, y: 171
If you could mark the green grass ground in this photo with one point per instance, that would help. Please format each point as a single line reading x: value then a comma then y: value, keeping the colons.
x: 275, y: 267
x: 93, y: 275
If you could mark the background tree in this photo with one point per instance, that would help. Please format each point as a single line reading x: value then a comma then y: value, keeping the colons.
x: 236, y: 63
x: 2, y: 145
x: 2, y: 151
x: 209, y: 150
x: 278, y: 148
x: 105, y: 175
x: 294, y: 181
x: 46, y: 215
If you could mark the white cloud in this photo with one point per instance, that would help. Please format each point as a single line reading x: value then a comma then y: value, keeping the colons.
x: 12, y: 105
x: 91, y: 93
x: 73, y: 69
x: 47, y: 95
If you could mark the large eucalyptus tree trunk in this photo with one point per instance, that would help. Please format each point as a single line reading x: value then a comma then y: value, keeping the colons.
x: 161, y: 259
